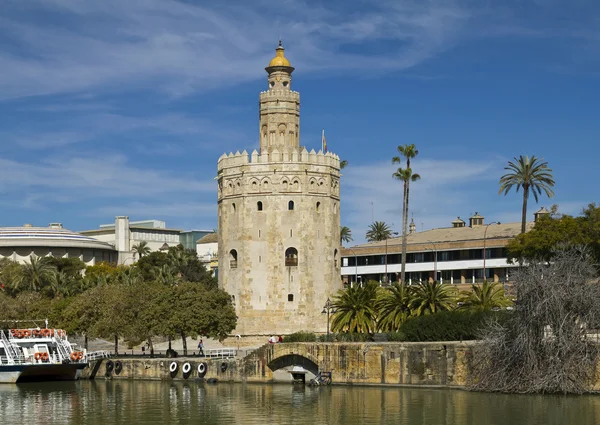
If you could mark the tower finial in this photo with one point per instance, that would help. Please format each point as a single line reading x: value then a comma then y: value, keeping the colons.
x: 280, y: 42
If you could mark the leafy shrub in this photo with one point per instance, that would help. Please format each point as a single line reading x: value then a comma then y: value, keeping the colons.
x: 346, y: 337
x: 454, y: 325
x: 396, y: 336
x: 301, y: 336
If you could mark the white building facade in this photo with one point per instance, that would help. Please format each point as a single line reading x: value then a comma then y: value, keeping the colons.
x: 20, y: 243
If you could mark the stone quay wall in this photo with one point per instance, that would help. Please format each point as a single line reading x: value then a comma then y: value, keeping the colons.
x: 440, y: 364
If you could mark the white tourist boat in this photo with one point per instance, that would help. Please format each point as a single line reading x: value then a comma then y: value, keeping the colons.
x: 40, y: 354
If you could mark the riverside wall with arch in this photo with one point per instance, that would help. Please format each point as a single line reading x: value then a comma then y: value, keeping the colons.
x: 439, y: 364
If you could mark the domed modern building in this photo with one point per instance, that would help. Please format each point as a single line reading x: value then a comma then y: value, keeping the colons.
x: 19, y: 243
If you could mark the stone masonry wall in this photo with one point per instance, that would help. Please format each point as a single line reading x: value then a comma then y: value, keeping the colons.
x: 444, y: 364
x: 257, y: 227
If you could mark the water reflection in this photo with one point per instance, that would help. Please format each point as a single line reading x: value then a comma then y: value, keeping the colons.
x: 128, y: 402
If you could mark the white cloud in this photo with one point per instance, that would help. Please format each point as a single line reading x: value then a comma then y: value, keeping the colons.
x: 96, y: 178
x: 91, y: 125
x: 181, y: 47
x: 435, y: 200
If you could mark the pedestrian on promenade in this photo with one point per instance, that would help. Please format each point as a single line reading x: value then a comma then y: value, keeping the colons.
x: 200, y: 348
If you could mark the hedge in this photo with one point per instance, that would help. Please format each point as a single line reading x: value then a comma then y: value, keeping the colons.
x: 454, y: 325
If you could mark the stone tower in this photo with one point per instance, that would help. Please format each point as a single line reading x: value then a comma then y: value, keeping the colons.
x: 279, y: 220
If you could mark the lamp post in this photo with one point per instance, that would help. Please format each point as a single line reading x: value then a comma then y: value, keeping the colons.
x: 484, y: 254
x: 328, y: 309
x: 386, y: 252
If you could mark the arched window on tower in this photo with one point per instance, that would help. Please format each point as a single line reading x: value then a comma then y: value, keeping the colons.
x: 318, y: 206
x: 335, y: 257
x: 291, y: 257
x: 291, y: 205
x: 259, y: 206
x: 233, y: 259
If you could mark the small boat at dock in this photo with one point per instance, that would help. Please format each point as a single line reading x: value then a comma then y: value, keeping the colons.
x: 30, y: 354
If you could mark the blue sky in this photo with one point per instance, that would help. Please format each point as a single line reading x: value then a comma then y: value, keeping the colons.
x: 123, y: 107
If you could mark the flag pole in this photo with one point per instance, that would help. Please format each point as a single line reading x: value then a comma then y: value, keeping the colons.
x: 322, y: 139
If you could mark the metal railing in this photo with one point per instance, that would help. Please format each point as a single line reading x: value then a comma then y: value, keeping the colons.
x: 64, y: 349
x: 95, y: 355
x: 224, y: 353
x: 13, y: 353
x: 5, y: 360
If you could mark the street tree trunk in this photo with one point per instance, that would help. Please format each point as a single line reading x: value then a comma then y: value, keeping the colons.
x: 151, y: 347
x: 116, y: 344
x: 184, y: 343
x: 404, y: 225
x: 524, y: 213
x: 85, y: 341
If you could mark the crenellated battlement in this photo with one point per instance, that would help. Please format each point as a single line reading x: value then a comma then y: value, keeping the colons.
x: 302, y: 156
x: 279, y: 94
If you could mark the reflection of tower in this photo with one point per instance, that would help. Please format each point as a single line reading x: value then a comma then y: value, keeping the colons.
x: 279, y: 222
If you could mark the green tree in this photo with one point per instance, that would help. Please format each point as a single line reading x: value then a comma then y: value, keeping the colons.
x: 355, y: 309
x: 9, y: 272
x: 343, y: 164
x: 129, y: 276
x: 84, y: 312
x: 35, y: 274
x: 431, y: 297
x: 61, y: 284
x: 114, y: 314
x: 191, y: 309
x: 149, y: 264
x: 484, y: 297
x: 530, y: 174
x: 100, y: 273
x: 406, y: 176
x: 393, y: 306
x: 345, y: 234
x: 378, y: 231
x: 72, y: 267
x: 540, y: 242
x: 141, y: 249
x: 7, y: 307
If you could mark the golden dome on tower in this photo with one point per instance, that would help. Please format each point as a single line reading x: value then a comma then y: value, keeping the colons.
x: 279, y: 59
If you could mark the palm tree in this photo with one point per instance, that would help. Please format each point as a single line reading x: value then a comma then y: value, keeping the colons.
x: 528, y: 173
x: 343, y: 164
x: 486, y: 297
x: 141, y: 249
x: 406, y: 176
x: 345, y: 234
x: 355, y: 309
x: 393, y: 306
x: 432, y: 297
x: 167, y: 275
x: 378, y: 231
x: 36, y: 274
x: 61, y: 284
x: 129, y: 276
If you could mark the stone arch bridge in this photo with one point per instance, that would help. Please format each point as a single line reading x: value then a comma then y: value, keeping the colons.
x: 444, y: 363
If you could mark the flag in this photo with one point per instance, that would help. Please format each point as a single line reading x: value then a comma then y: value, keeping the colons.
x: 323, y: 142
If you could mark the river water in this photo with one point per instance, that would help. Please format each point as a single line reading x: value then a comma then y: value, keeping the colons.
x: 138, y: 402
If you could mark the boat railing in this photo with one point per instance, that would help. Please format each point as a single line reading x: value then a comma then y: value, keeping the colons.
x: 4, y: 360
x: 64, y: 349
x: 95, y: 355
x: 13, y: 353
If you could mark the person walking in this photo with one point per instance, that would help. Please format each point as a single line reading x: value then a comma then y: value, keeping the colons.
x: 201, y: 348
